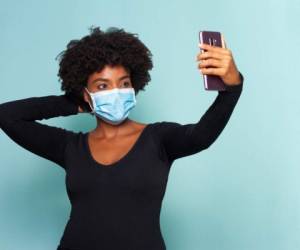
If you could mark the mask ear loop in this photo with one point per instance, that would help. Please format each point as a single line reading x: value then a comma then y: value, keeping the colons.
x: 89, y: 102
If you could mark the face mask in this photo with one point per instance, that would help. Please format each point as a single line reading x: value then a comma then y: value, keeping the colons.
x: 113, y: 105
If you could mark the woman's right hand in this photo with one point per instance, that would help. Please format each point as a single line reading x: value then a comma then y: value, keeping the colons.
x: 80, y: 110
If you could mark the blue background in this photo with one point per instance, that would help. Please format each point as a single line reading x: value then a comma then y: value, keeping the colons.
x: 242, y: 193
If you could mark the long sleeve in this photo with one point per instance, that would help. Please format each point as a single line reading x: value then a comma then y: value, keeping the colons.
x: 18, y: 121
x: 178, y: 140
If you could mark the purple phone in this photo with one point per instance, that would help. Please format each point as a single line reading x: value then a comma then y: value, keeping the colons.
x: 212, y: 82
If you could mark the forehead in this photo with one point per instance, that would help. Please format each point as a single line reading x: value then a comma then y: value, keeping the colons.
x: 109, y: 72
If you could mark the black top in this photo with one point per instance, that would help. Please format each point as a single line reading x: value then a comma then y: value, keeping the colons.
x: 116, y: 206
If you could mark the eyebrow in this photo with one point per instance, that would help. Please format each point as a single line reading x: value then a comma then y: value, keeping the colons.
x: 107, y: 80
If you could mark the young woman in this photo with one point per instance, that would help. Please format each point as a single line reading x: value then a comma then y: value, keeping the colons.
x: 117, y: 173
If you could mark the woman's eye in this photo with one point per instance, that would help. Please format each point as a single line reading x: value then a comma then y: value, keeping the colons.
x: 100, y: 86
x: 127, y: 84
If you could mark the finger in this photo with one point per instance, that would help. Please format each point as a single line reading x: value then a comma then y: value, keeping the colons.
x: 210, y: 63
x: 212, y: 71
x: 208, y: 47
x: 206, y: 55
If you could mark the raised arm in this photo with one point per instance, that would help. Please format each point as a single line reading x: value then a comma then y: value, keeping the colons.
x: 178, y: 140
x: 18, y: 121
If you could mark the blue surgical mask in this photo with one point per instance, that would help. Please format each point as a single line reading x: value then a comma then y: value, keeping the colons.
x: 113, y: 105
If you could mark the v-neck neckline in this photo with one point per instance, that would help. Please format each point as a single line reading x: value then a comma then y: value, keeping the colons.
x: 122, y: 159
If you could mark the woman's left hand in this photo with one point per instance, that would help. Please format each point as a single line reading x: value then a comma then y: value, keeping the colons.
x: 218, y: 61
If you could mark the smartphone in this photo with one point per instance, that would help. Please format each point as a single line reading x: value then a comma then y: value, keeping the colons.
x: 213, y: 38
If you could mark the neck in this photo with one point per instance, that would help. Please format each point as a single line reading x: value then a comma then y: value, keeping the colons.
x: 107, y: 130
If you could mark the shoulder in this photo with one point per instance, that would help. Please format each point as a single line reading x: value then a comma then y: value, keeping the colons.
x: 165, y: 125
x: 74, y: 138
x: 162, y: 128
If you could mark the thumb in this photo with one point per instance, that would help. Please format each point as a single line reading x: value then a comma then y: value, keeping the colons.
x: 223, y: 42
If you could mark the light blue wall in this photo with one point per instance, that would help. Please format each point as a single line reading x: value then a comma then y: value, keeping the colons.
x: 242, y: 193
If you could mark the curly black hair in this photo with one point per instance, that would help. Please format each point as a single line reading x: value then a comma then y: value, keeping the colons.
x: 93, y: 52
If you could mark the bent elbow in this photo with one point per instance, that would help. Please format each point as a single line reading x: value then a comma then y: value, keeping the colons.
x: 4, y: 115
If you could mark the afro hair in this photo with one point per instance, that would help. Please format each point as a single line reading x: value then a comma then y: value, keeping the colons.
x: 93, y: 52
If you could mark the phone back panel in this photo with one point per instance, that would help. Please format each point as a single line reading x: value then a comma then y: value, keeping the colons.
x: 212, y: 82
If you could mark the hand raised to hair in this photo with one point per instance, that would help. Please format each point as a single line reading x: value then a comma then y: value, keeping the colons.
x: 80, y: 110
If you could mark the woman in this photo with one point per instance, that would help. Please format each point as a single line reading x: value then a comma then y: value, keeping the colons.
x: 116, y: 174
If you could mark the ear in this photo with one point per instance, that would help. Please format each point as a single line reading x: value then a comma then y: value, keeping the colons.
x: 87, y: 98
